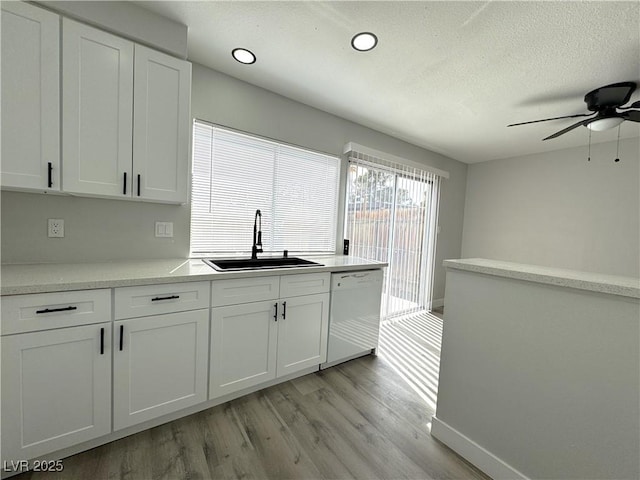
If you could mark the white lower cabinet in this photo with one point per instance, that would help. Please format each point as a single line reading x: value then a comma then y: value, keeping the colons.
x: 243, y: 346
x: 255, y: 342
x: 81, y: 365
x: 56, y: 389
x: 159, y: 365
x: 302, y: 333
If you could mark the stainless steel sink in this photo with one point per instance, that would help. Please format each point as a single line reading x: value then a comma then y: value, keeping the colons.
x: 235, y: 264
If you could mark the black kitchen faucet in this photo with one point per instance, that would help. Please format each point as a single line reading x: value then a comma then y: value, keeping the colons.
x: 257, y: 236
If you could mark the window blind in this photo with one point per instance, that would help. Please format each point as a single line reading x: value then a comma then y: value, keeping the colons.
x: 235, y: 174
x: 391, y: 216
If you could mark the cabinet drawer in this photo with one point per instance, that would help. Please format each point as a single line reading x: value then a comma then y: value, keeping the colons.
x: 141, y: 301
x: 304, y: 284
x: 243, y: 290
x: 44, y: 311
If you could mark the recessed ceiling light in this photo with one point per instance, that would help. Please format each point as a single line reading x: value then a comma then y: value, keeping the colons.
x: 243, y: 55
x: 364, y: 41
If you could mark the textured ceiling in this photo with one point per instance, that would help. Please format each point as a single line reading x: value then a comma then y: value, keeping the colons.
x: 447, y: 76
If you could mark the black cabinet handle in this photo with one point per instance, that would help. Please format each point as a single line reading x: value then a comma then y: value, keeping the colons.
x: 172, y: 297
x: 138, y: 184
x: 102, y: 341
x: 50, y: 310
x: 121, y: 337
x: 284, y: 310
x: 50, y: 175
x: 124, y: 187
x: 275, y: 315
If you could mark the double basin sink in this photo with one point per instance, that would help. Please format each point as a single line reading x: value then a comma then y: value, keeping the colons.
x: 237, y: 264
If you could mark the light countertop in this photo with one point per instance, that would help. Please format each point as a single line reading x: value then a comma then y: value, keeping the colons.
x: 41, y: 278
x: 595, y: 282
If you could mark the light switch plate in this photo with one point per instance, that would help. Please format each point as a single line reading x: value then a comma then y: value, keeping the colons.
x: 164, y: 229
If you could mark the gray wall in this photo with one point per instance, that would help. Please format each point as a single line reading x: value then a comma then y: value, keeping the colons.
x: 556, y: 209
x: 96, y: 230
x: 220, y: 99
x: 545, y: 378
x: 103, y: 230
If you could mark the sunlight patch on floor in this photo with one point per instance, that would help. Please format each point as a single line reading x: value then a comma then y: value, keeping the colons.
x: 411, y: 345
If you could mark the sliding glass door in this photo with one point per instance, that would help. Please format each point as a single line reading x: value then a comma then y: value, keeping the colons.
x: 391, y: 216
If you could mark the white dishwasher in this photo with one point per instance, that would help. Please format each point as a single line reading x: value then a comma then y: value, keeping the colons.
x: 354, y: 315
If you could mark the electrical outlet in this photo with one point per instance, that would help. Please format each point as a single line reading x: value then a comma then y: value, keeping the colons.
x: 55, y: 228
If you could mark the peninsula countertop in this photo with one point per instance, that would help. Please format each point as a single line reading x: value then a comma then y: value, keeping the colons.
x: 595, y: 282
x: 17, y: 279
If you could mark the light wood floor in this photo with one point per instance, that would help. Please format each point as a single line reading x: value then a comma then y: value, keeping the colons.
x: 368, y: 418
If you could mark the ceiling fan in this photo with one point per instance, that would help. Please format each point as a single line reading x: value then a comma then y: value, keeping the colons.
x: 605, y: 104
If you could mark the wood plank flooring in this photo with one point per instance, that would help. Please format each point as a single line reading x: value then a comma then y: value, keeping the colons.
x: 411, y: 345
x: 365, y: 419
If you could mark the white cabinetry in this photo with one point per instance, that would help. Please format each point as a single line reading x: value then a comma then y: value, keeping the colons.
x: 161, y: 126
x: 243, y: 346
x: 256, y: 341
x: 56, y: 384
x: 30, y: 98
x: 97, y: 84
x: 125, y: 111
x: 125, y: 118
x: 302, y: 332
x: 160, y: 360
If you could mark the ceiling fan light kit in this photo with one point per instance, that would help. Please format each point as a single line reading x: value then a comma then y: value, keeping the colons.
x: 606, y: 104
x: 605, y: 124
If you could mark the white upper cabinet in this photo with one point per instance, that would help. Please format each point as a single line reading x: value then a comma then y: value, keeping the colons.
x: 30, y: 98
x: 161, y: 126
x: 126, y: 118
x: 97, y: 110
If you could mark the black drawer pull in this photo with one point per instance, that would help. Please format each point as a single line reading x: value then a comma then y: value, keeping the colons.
x: 124, y: 188
x: 172, y: 297
x: 102, y: 341
x: 121, y: 337
x: 50, y: 310
x: 275, y: 315
x: 284, y: 310
x: 49, y: 175
x: 138, y: 184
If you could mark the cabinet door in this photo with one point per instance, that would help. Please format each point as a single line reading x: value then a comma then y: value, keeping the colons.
x: 97, y: 109
x: 161, y: 128
x: 302, y: 332
x: 56, y: 389
x: 243, y: 346
x: 159, y: 365
x: 30, y: 97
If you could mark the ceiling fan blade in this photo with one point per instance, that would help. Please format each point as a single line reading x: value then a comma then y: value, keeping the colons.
x: 554, y: 118
x: 632, y: 115
x: 613, y: 95
x: 568, y: 129
x: 633, y: 105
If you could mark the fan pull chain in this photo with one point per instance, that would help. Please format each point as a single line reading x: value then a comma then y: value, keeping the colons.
x: 618, y: 147
x: 589, y: 155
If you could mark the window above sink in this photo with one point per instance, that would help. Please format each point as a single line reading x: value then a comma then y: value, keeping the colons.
x: 235, y: 174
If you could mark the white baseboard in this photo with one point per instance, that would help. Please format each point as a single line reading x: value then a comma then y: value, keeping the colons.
x: 474, y: 453
x: 437, y: 302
